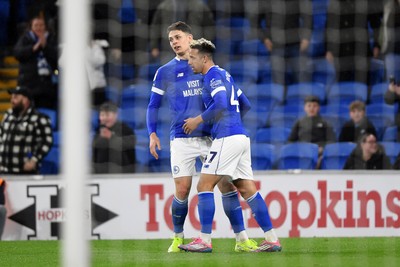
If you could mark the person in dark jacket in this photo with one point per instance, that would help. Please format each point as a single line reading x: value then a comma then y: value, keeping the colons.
x: 367, y: 155
x: 287, y: 36
x: 113, y: 144
x: 392, y: 97
x: 37, y: 53
x: 357, y: 125
x: 348, y: 39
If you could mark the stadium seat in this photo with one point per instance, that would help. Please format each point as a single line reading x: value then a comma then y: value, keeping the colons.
x: 296, y: 93
x: 272, y: 135
x: 143, y: 158
x: 134, y: 117
x: 390, y: 134
x: 392, y: 150
x: 377, y: 93
x: 254, y: 120
x: 264, y: 96
x: 323, y: 72
x: 121, y: 71
x: 52, y: 114
x: 94, y: 119
x: 137, y: 95
x: 253, y: 47
x: 376, y: 71
x: 147, y: 71
x: 56, y: 138
x: 381, y: 116
x: 287, y: 120
x: 262, y: 156
x: 264, y: 72
x: 51, y: 162
x: 347, y: 92
x: 243, y: 71
x: 298, y: 156
x: 335, y: 155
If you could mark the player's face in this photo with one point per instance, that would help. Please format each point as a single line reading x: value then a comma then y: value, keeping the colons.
x: 311, y: 109
x: 179, y: 42
x: 108, y: 118
x: 196, y: 61
x: 356, y: 115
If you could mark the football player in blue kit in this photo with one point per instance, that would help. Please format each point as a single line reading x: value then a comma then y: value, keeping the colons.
x: 183, y: 89
x: 229, y: 155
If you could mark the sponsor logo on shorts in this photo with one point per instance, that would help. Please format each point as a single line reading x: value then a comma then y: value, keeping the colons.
x: 176, y: 169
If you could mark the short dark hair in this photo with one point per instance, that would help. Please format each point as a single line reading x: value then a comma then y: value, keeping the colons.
x: 312, y: 98
x: 204, y: 46
x: 364, y: 136
x: 108, y: 107
x: 357, y: 105
x: 179, y: 26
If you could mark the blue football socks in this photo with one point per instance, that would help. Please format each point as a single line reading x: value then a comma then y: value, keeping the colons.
x: 260, y: 211
x: 206, y: 208
x: 233, y: 211
x: 179, y: 211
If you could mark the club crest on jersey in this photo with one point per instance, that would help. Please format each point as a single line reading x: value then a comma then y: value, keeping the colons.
x: 176, y: 169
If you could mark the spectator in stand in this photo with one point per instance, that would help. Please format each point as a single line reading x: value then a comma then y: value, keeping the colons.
x: 312, y: 127
x: 25, y: 135
x: 194, y: 12
x: 3, y: 210
x: 348, y: 40
x: 367, y: 155
x: 392, y: 96
x: 357, y: 125
x: 37, y: 53
x: 113, y: 144
x: 390, y: 38
x: 287, y: 36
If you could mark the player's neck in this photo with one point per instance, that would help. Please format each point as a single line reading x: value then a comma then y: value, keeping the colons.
x: 207, y: 67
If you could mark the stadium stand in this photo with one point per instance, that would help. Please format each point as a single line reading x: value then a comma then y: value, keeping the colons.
x: 262, y: 156
x: 335, y: 155
x: 298, y: 156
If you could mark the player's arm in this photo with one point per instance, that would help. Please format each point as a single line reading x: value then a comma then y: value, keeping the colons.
x: 151, y: 121
x: 213, y: 111
x: 244, y: 103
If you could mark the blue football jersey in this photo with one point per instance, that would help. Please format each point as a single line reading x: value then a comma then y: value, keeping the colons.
x: 183, y: 89
x: 221, y: 93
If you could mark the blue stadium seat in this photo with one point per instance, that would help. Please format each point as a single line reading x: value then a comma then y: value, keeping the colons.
x: 376, y: 71
x: 52, y: 114
x: 347, y: 92
x: 277, y: 119
x: 262, y: 156
x: 134, y: 117
x: 392, y: 150
x: 56, y: 138
x: 335, y: 155
x: 264, y: 72
x: 381, y: 116
x: 377, y: 93
x: 143, y: 158
x: 298, y: 156
x: 94, y: 119
x: 390, y: 134
x: 136, y: 95
x: 296, y: 93
x: 243, y: 71
x: 122, y: 71
x: 264, y: 96
x: 146, y: 72
x: 272, y: 135
x: 51, y: 162
x: 323, y: 72
x: 163, y: 164
x: 253, y: 47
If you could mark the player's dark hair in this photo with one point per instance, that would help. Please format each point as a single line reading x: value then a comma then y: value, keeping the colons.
x: 179, y: 26
x: 204, y: 46
x: 108, y: 107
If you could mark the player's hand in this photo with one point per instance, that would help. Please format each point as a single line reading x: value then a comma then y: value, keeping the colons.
x: 154, y: 145
x: 191, y: 124
x: 105, y: 133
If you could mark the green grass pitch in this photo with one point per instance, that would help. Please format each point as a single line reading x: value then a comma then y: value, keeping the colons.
x: 378, y: 251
